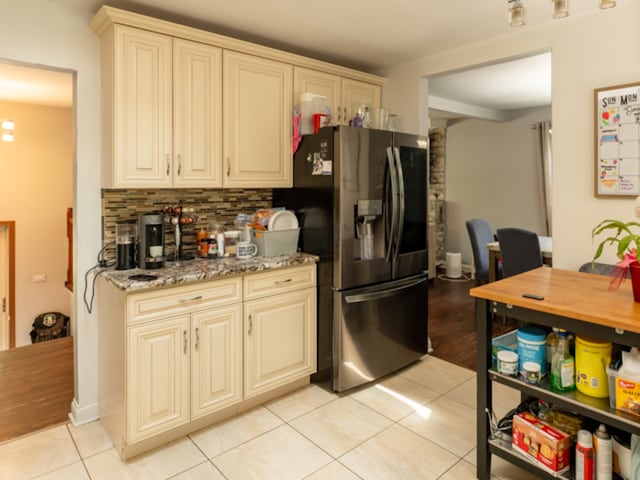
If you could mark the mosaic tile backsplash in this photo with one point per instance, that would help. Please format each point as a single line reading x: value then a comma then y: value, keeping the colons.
x: 210, y: 206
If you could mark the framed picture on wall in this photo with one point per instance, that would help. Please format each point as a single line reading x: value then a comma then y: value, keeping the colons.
x: 617, y: 141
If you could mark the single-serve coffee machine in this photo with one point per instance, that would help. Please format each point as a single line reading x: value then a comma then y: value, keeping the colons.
x: 151, y: 240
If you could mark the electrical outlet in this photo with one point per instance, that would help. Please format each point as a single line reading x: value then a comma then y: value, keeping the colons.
x: 39, y: 277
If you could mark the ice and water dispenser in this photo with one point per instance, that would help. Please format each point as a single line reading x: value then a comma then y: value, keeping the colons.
x: 369, y: 227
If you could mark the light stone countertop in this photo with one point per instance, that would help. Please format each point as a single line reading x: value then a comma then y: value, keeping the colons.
x: 187, y: 271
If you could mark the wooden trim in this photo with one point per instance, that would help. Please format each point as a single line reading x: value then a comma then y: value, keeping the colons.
x: 11, y: 228
x: 69, y: 281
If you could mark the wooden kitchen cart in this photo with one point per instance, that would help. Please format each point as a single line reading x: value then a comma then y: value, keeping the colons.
x: 578, y: 302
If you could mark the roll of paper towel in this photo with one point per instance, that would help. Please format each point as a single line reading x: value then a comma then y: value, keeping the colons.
x: 454, y: 265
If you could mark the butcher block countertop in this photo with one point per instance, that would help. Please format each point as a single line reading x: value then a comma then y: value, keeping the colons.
x: 582, y: 296
x: 188, y: 271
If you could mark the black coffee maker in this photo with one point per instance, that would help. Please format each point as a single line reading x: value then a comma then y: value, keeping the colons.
x: 151, y: 240
x: 126, y: 245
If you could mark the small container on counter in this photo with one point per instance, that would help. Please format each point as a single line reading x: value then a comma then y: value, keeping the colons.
x: 231, y: 239
x: 212, y: 246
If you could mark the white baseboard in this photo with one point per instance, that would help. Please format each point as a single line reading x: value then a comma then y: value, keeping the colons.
x: 85, y: 414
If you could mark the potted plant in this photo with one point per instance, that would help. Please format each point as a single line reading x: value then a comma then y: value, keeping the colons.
x: 626, y: 237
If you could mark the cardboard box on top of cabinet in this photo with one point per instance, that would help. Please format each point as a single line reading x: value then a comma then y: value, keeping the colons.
x: 537, y: 440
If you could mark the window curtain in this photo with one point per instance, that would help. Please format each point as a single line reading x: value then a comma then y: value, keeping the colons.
x: 543, y: 130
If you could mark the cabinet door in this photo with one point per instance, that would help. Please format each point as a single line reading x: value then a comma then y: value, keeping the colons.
x: 157, y: 377
x: 142, y: 122
x: 279, y: 339
x: 216, y: 359
x: 319, y: 83
x: 356, y: 93
x: 257, y: 115
x: 197, y: 115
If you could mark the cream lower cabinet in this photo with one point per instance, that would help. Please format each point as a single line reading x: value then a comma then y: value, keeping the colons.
x: 182, y: 368
x: 279, y: 328
x: 175, y: 360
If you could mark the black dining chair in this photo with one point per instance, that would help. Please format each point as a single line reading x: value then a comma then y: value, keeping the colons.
x: 480, y: 234
x: 519, y: 250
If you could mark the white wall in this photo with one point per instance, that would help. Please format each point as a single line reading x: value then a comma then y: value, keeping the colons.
x: 493, y: 172
x: 588, y: 52
x: 35, y: 191
x: 44, y: 33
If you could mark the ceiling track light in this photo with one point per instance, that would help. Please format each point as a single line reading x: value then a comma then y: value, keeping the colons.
x: 518, y: 16
x: 560, y: 8
x: 517, y: 13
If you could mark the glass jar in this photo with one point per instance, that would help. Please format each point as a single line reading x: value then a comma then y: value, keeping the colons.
x: 231, y: 239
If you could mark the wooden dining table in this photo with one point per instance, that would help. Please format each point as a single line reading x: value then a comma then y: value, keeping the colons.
x: 494, y: 254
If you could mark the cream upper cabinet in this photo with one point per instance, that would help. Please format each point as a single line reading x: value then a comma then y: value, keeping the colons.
x: 166, y: 105
x: 306, y: 80
x: 257, y: 115
x: 141, y: 125
x: 197, y: 114
x: 344, y: 95
x: 356, y: 93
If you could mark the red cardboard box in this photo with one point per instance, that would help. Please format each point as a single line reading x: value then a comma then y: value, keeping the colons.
x: 541, y: 442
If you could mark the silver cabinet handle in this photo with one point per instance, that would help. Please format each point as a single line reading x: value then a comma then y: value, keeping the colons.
x: 184, y: 334
x: 250, y: 325
x: 168, y: 165
x: 197, y: 338
x: 179, y: 164
x: 282, y: 282
x: 189, y: 300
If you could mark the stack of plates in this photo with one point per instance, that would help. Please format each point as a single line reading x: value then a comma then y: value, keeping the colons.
x: 282, y: 220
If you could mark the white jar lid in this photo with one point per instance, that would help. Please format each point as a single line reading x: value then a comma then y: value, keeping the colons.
x: 507, y: 356
x: 532, y: 367
x: 232, y: 233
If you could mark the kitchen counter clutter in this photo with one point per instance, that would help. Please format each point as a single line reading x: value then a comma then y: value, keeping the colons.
x: 204, y: 341
x: 181, y: 272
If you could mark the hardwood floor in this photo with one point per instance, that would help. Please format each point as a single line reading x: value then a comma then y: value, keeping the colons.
x: 36, y: 386
x: 452, y: 322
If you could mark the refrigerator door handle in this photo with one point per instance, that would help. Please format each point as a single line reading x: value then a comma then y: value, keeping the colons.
x: 394, y: 204
x: 401, y: 193
x: 389, y: 292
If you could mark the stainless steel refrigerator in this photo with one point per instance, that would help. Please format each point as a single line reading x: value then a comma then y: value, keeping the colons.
x: 360, y: 196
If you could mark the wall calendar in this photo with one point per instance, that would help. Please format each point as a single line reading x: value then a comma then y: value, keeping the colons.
x: 617, y: 141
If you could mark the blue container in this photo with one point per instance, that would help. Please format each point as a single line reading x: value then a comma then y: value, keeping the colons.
x: 532, y: 347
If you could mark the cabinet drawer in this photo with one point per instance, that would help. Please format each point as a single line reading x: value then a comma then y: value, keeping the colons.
x: 261, y: 285
x: 142, y: 307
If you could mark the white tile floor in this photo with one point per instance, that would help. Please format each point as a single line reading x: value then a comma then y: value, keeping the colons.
x: 417, y: 424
